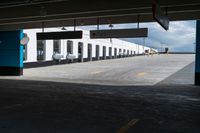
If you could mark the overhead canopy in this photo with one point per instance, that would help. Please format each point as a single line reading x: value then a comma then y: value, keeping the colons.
x: 16, y: 14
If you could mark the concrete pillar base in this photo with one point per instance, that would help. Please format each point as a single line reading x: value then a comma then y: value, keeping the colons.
x: 197, y: 78
x: 11, y: 71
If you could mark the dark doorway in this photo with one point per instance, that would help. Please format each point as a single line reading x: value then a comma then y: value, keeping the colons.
x: 124, y: 53
x: 80, y: 52
x: 104, y: 52
x: 115, y: 53
x: 120, y: 53
x: 110, y: 52
x: 69, y: 47
x: 56, y: 46
x: 97, y: 52
x: 41, y: 50
x: 89, y: 52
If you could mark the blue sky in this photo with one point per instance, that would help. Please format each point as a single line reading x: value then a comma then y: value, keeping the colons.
x: 179, y: 38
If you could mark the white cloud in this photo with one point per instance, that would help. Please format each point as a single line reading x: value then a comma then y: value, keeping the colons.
x: 179, y: 37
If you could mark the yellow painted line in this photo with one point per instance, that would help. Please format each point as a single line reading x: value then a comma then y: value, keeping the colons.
x: 125, y: 128
x: 141, y: 74
x: 96, y: 72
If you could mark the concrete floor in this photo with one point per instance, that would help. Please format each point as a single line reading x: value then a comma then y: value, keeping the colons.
x: 142, y: 70
x: 48, y: 107
x: 161, y: 105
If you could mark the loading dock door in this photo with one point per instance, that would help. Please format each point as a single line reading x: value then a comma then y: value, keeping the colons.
x: 89, y: 52
x: 124, y: 53
x: 104, y: 52
x: 97, y: 52
x: 80, y: 52
x: 115, y: 53
x: 120, y: 53
x: 110, y: 52
x: 41, y: 50
x: 69, y: 47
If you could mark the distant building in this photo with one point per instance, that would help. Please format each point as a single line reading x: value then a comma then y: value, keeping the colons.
x: 49, y: 52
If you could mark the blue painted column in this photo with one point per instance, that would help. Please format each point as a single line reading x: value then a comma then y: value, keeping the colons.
x: 11, y: 53
x: 197, y: 60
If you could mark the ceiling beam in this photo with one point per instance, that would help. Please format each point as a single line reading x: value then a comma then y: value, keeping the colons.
x: 53, y: 13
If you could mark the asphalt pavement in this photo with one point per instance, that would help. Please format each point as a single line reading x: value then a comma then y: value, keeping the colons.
x: 146, y: 94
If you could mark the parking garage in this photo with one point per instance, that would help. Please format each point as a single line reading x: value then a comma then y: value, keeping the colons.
x: 139, y: 93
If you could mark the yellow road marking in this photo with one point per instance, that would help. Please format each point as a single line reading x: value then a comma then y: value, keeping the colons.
x: 96, y: 72
x: 141, y: 74
x: 125, y: 128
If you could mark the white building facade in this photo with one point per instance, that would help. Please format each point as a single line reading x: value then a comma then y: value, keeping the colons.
x: 42, y: 52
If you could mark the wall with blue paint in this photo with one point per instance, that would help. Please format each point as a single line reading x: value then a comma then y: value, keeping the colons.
x: 11, y: 51
x: 197, y: 60
x: 197, y: 67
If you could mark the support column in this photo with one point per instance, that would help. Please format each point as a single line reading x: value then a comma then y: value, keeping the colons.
x: 11, y: 53
x: 197, y: 60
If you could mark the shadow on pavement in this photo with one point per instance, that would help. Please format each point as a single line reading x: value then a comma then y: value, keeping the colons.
x: 49, y: 107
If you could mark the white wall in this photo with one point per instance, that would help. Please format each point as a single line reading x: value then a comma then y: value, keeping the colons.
x: 31, y: 46
x: 116, y: 43
x: 49, y: 50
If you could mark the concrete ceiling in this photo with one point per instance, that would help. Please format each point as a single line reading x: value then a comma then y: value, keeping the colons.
x: 32, y: 13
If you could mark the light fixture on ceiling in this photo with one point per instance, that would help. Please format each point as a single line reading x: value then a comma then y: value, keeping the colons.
x: 111, y: 26
x: 63, y: 28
